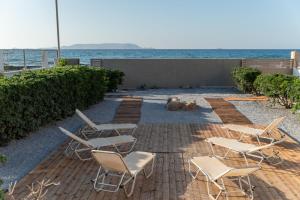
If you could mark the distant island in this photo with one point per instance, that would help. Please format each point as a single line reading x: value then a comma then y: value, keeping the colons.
x: 103, y: 46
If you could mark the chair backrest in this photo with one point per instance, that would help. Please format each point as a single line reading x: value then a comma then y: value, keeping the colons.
x: 86, y: 119
x: 274, y: 124
x: 243, y: 171
x: 74, y: 137
x: 266, y: 146
x: 110, y: 161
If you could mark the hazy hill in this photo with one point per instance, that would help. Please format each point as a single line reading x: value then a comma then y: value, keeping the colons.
x: 103, y: 46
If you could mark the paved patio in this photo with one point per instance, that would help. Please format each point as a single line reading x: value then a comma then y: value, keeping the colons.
x: 174, y: 144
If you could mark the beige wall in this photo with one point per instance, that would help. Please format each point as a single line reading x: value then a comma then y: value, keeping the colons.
x: 272, y: 66
x: 174, y: 73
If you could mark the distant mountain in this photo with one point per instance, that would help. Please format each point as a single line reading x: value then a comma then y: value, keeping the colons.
x: 103, y: 46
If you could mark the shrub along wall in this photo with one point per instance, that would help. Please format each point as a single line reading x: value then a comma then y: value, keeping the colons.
x: 35, y: 98
x: 280, y: 88
x: 115, y: 78
x: 244, y: 78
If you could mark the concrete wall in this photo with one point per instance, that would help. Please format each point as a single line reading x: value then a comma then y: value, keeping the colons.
x: 174, y: 73
x: 284, y: 66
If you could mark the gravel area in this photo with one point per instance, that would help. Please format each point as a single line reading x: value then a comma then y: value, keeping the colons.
x: 261, y: 113
x: 154, y: 111
x: 23, y: 155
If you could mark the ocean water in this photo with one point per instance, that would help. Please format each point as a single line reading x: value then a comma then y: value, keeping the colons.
x: 33, y: 57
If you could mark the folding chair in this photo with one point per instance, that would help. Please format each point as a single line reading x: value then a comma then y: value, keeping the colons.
x: 246, y: 149
x: 95, y: 143
x: 125, y: 170
x: 100, y: 128
x: 255, y: 132
x: 215, y: 171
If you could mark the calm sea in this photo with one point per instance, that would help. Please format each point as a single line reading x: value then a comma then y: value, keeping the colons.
x: 33, y: 57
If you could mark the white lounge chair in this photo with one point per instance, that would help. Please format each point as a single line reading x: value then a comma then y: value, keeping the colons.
x: 95, y: 143
x: 255, y: 132
x: 125, y: 169
x: 215, y: 171
x: 100, y: 128
x: 246, y: 149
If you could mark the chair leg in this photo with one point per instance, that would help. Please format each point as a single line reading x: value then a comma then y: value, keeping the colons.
x: 124, y: 152
x: 259, y: 156
x: 78, y: 151
x: 212, y: 149
x: 133, y: 131
x: 245, y: 158
x: 103, y: 176
x: 96, y: 180
x: 274, y: 156
x: 128, y: 194
x: 152, y: 169
x: 221, y: 189
x: 248, y: 183
x: 191, y: 173
x: 69, y: 151
x: 117, y: 131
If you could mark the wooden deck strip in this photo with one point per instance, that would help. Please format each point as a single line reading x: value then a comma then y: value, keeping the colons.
x: 227, y: 111
x: 252, y: 98
x: 129, y: 110
x: 174, y: 145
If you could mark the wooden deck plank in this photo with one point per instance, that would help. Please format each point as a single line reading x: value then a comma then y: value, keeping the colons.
x: 171, y: 179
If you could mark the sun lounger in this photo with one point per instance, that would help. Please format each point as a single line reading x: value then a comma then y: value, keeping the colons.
x: 215, y: 171
x: 125, y: 170
x: 82, y: 145
x: 246, y: 149
x: 100, y: 128
x: 258, y: 133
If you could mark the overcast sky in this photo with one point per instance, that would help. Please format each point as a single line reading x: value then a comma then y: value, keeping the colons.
x: 152, y: 23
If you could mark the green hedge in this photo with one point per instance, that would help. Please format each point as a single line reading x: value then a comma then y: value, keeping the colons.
x: 279, y: 87
x: 294, y: 94
x: 244, y: 78
x: 115, y: 78
x: 34, y: 98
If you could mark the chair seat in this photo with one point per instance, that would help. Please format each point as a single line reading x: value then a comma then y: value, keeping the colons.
x: 244, y: 129
x: 115, y: 140
x: 232, y: 144
x: 105, y: 127
x: 137, y: 160
x: 211, y: 166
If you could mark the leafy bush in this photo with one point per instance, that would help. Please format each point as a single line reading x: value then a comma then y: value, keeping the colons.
x: 34, y: 98
x: 62, y: 62
x: 244, y: 78
x: 294, y: 94
x: 114, y: 78
x: 278, y: 87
